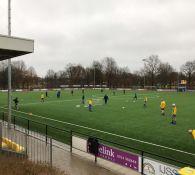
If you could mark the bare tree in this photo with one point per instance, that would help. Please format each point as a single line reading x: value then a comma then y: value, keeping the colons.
x: 151, y: 67
x: 62, y: 77
x: 18, y: 73
x: 31, y: 78
x: 3, y: 74
x: 139, y: 78
x: 164, y: 74
x: 75, y: 74
x: 51, y: 78
x: 124, y: 77
x: 110, y: 69
x: 188, y: 69
x: 98, y: 70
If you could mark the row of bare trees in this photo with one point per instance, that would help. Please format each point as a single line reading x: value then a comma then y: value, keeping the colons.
x: 103, y: 72
x: 107, y: 72
x: 22, y: 77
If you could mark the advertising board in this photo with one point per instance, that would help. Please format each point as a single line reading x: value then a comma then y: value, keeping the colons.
x: 153, y: 167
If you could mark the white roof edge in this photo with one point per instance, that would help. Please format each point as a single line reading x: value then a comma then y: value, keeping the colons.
x: 14, y: 37
x: 11, y: 47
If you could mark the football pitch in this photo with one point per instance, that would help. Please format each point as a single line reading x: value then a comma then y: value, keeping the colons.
x: 122, y: 120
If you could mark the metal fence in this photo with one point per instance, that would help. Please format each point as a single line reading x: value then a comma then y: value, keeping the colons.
x: 43, y: 133
x: 26, y: 144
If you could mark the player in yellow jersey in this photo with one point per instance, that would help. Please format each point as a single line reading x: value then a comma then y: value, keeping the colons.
x: 174, y: 113
x: 192, y: 131
x: 42, y: 97
x: 90, y: 104
x: 163, y: 106
x: 145, y: 101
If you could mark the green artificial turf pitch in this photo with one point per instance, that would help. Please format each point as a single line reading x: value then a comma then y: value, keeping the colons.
x: 121, y: 116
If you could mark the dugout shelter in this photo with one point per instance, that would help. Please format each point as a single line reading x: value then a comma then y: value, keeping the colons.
x: 11, y: 47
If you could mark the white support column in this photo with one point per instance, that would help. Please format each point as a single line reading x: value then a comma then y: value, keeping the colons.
x: 9, y: 69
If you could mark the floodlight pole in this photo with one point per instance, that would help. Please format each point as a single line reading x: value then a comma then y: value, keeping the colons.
x: 94, y: 77
x: 9, y: 69
x: 144, y: 80
x: 178, y: 80
x: 144, y: 60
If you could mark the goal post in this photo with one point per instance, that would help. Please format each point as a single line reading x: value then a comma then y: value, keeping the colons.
x: 182, y: 86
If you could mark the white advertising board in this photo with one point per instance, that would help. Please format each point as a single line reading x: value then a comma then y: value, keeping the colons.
x: 79, y: 143
x: 153, y: 167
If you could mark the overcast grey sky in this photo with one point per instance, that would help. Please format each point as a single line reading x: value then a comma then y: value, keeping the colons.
x: 79, y: 31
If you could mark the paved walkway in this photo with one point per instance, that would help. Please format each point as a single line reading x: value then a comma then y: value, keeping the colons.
x: 75, y: 163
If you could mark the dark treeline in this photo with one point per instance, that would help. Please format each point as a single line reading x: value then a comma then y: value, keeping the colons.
x: 22, y: 77
x: 105, y: 72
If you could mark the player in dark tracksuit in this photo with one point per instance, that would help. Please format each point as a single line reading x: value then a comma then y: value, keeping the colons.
x: 135, y: 97
x: 83, y: 99
x: 46, y: 94
x: 16, y: 101
x: 106, y: 99
x: 58, y: 94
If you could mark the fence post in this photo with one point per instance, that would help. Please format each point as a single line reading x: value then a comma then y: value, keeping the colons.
x: 46, y: 127
x: 71, y: 140
x: 26, y: 142
x: 14, y: 122
x: 28, y: 127
x: 142, y: 168
x: 3, y: 117
x: 50, y: 151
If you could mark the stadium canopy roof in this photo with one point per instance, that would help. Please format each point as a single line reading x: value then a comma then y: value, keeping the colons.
x: 11, y: 47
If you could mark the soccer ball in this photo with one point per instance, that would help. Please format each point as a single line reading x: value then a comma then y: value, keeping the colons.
x: 78, y: 106
x: 190, y: 131
x: 123, y: 107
